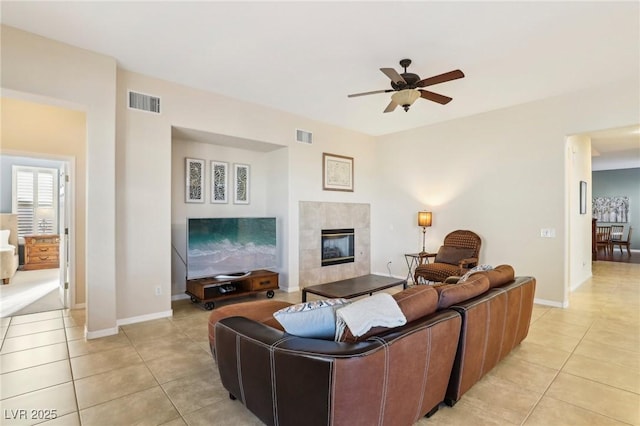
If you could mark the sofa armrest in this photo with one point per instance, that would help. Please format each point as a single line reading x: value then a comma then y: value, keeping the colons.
x: 8, y: 263
x: 281, y: 378
x: 289, y: 380
x: 484, y: 343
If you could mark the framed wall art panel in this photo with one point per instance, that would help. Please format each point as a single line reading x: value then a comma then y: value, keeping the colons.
x: 611, y: 209
x: 241, y: 183
x: 194, y: 180
x: 219, y: 182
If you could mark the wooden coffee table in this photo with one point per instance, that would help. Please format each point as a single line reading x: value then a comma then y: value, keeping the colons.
x: 353, y: 287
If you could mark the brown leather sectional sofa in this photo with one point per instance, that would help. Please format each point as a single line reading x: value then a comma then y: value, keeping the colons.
x: 454, y: 335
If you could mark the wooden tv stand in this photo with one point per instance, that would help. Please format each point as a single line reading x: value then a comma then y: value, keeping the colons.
x: 209, y: 289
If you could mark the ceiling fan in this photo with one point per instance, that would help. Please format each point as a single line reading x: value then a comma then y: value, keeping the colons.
x: 406, y: 87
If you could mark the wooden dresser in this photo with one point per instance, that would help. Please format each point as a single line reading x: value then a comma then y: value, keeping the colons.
x: 41, y: 252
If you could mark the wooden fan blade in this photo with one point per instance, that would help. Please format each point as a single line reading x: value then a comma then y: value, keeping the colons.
x: 393, y: 75
x: 369, y: 93
x: 447, y: 76
x: 392, y: 105
x: 441, y: 99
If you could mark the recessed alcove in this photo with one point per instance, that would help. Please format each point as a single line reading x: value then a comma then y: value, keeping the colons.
x: 266, y: 162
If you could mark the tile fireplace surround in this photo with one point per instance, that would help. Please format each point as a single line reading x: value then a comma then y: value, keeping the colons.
x: 316, y: 216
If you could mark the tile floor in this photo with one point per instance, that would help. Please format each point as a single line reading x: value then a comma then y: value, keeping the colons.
x: 578, y: 366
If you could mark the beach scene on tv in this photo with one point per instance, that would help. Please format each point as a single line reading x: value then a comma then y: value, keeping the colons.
x: 220, y: 246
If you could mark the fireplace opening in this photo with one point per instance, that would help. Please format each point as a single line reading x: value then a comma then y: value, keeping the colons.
x: 337, y: 246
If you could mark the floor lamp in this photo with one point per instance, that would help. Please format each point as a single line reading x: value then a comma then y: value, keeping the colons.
x: 424, y: 220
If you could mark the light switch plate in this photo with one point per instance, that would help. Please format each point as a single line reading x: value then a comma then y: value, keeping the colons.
x: 548, y: 232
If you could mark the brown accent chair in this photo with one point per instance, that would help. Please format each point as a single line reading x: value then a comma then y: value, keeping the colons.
x: 620, y: 243
x: 458, y: 254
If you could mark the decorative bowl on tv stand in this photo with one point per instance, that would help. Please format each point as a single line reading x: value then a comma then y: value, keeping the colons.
x: 232, y: 276
x: 229, y: 288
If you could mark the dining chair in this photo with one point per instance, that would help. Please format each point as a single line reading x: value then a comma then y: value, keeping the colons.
x: 620, y: 243
x: 603, y: 238
x: 617, y: 231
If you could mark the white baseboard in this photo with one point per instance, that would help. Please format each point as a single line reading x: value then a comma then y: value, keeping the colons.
x: 125, y: 321
x: 142, y: 318
x: 180, y: 297
x: 99, y: 333
x: 552, y: 303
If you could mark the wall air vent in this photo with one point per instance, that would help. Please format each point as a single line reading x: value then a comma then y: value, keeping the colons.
x: 303, y: 136
x: 144, y: 102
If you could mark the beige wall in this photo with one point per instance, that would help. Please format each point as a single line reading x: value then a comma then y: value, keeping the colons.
x: 150, y: 163
x: 578, y: 153
x: 53, y: 132
x: 36, y: 66
x: 502, y: 174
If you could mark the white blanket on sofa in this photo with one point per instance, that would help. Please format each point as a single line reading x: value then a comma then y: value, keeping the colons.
x: 379, y: 310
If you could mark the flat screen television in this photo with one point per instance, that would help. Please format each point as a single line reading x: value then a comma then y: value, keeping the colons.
x: 219, y: 247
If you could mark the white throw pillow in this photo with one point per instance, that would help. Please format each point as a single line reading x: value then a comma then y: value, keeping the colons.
x: 4, y: 237
x: 379, y: 310
x: 472, y: 271
x: 316, y: 319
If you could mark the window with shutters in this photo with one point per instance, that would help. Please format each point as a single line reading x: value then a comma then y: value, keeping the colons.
x: 35, y: 200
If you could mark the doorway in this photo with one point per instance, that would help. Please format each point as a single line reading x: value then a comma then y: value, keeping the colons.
x: 35, y: 191
x: 615, y: 174
x: 45, y: 129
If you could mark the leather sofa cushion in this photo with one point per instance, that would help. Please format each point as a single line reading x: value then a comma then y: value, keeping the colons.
x: 414, y: 302
x: 450, y: 294
x: 452, y: 255
x: 417, y: 301
x: 259, y: 310
x: 499, y: 276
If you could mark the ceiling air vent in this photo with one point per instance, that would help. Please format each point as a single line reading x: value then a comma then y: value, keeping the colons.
x: 144, y: 102
x: 304, y: 136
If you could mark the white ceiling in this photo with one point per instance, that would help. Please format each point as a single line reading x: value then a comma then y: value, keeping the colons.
x: 305, y: 57
x: 615, y: 149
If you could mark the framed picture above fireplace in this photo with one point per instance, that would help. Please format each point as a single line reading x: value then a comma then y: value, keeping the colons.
x: 337, y: 172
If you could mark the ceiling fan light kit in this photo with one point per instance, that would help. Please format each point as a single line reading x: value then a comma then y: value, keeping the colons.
x: 406, y: 86
x: 405, y: 98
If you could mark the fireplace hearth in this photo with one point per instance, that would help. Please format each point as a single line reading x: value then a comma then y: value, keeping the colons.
x: 337, y: 246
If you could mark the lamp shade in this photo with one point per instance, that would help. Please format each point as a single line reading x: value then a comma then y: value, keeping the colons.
x: 405, y: 97
x: 46, y: 213
x: 424, y: 219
